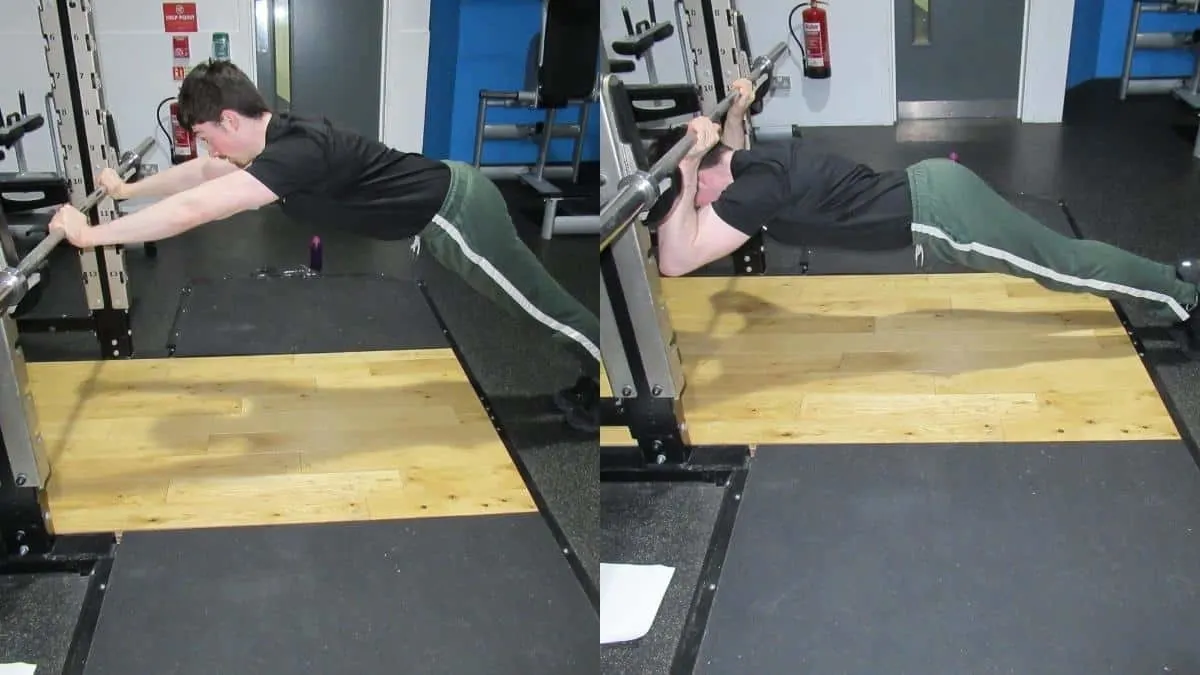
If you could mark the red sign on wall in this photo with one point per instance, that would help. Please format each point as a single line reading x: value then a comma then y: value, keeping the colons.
x: 179, y: 47
x: 179, y: 17
x: 178, y: 73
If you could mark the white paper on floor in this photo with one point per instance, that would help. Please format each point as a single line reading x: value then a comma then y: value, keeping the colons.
x: 630, y: 596
x: 17, y: 668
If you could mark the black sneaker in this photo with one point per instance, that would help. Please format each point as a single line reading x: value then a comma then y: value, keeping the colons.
x: 580, y: 404
x: 585, y: 420
x: 567, y: 399
x: 1189, y: 270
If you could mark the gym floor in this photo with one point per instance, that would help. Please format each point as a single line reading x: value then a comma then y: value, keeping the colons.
x: 1126, y: 173
x: 197, y: 298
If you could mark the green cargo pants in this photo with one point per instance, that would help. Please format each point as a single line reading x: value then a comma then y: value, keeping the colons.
x: 959, y: 219
x: 473, y: 236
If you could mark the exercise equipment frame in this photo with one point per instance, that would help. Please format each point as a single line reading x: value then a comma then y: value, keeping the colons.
x: 73, y: 62
x: 637, y: 341
x: 26, y: 531
x: 719, y: 45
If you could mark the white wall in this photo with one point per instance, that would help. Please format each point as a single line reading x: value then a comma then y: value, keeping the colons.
x: 21, y: 43
x: 861, y: 35
x: 135, y: 64
x: 405, y: 69
x: 862, y: 89
x: 1047, y: 52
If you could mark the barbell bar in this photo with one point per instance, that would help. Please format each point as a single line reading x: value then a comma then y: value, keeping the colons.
x: 14, y: 281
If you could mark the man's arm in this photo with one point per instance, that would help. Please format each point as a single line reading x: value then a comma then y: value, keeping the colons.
x: 689, y: 239
x: 733, y: 132
x: 212, y: 200
x: 178, y: 178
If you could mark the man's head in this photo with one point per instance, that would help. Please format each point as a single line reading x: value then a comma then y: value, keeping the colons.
x: 224, y: 110
x: 713, y: 174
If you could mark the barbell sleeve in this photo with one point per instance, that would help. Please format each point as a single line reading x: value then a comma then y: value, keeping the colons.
x: 129, y: 162
x: 641, y: 189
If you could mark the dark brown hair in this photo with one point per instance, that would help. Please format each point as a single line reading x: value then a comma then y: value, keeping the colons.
x: 214, y: 87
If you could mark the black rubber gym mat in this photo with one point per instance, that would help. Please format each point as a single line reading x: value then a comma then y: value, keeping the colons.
x: 489, y: 595
x: 644, y: 523
x: 917, y: 559
x: 282, y: 314
x: 38, y: 613
x: 790, y: 260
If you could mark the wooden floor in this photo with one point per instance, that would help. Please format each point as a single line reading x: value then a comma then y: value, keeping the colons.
x: 943, y: 358
x: 175, y: 443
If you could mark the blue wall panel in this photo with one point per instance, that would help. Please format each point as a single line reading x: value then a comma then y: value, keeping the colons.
x: 489, y: 40
x: 1099, y: 35
x: 1085, y: 41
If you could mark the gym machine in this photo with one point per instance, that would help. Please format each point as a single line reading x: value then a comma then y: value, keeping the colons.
x: 52, y: 187
x: 86, y: 140
x: 637, y: 341
x: 565, y: 73
x: 639, y: 42
x: 24, y: 469
x: 26, y: 531
x: 719, y: 43
x: 13, y: 130
x: 1141, y: 37
x: 14, y: 281
x: 716, y: 48
x: 655, y: 104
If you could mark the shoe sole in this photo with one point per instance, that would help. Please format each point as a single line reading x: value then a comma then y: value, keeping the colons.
x: 564, y: 403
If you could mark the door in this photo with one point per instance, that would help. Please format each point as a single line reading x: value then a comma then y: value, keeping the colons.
x: 958, y: 59
x: 337, y: 61
x: 273, y: 52
x: 264, y: 50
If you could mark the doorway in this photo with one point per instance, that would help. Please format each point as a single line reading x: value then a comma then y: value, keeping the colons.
x: 273, y: 52
x: 322, y: 59
x: 959, y: 59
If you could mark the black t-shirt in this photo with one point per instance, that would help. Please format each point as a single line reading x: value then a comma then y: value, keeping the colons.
x: 332, y: 176
x: 806, y: 197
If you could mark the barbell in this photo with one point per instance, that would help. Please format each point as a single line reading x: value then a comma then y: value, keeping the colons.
x: 14, y: 281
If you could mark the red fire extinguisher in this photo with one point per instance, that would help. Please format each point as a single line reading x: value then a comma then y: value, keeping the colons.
x: 183, y: 144
x: 816, y: 40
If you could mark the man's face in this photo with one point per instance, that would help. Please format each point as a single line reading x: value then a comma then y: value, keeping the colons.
x: 226, y: 139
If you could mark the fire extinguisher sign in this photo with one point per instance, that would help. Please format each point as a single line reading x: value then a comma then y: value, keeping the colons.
x: 181, y: 52
x: 180, y: 48
x: 179, y: 17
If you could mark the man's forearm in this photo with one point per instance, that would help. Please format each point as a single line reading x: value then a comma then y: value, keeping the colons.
x: 677, y: 232
x: 161, y: 220
x: 178, y: 178
x: 733, y: 131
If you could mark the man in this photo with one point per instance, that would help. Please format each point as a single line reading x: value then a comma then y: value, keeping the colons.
x: 722, y: 194
x: 317, y: 170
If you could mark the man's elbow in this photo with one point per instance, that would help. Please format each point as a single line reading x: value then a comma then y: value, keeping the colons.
x: 670, y: 266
